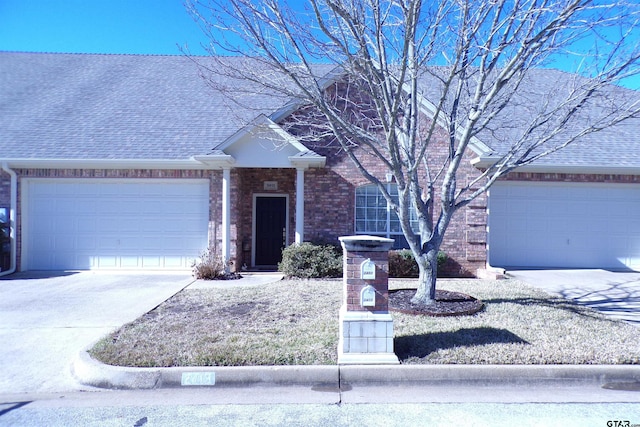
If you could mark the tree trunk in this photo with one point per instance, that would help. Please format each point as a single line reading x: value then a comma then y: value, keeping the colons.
x: 428, y: 267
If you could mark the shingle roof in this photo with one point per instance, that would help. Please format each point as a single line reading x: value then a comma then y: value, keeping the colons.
x: 540, y: 90
x: 81, y: 106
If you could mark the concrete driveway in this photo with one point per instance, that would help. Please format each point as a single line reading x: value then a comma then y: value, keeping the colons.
x: 616, y: 294
x: 46, y: 318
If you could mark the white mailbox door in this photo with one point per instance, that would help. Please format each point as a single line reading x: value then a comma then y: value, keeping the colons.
x: 368, y: 270
x: 368, y: 296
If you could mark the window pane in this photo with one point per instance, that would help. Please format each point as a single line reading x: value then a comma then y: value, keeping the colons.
x: 399, y: 242
x: 371, y: 212
x: 371, y: 226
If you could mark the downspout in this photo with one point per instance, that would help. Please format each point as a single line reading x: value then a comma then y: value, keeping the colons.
x: 12, y: 218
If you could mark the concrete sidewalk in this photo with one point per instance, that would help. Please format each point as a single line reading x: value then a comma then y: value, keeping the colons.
x: 616, y: 294
x: 47, y: 317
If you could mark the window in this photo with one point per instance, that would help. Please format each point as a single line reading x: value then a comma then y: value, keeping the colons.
x: 375, y: 217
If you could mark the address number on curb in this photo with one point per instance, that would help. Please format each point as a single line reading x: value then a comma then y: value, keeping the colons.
x: 198, y: 378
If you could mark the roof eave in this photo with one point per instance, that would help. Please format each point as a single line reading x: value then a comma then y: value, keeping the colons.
x: 486, y: 162
x: 306, y: 162
x: 43, y: 163
x: 216, y: 161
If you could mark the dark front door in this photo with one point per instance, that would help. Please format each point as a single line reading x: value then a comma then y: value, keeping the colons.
x: 271, y: 229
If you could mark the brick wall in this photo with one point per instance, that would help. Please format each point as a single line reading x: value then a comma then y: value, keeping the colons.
x: 330, y: 207
x: 329, y: 202
x: 352, y: 261
x: 566, y: 177
x: 5, y: 189
x: 330, y: 193
x: 5, y: 203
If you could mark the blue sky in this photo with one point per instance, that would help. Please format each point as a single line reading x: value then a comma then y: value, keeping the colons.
x: 98, y: 26
x: 110, y: 26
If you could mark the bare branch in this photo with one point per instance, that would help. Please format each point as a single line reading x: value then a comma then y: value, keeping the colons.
x: 398, y: 80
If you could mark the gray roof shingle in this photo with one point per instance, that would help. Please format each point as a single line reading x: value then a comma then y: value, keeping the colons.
x: 82, y: 106
x: 541, y: 91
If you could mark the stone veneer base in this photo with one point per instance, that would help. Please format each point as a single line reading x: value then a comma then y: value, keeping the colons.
x: 366, y: 338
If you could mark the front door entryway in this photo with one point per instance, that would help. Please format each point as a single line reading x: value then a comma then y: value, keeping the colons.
x: 270, y: 232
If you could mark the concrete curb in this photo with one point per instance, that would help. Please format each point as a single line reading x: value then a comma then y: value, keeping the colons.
x: 89, y: 371
x: 93, y: 373
x: 488, y: 374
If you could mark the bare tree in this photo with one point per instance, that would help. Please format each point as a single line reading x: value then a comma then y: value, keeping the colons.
x: 407, y: 75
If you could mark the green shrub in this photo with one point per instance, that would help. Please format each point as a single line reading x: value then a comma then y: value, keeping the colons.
x: 308, y: 261
x: 442, y: 259
x: 209, y: 266
x: 403, y: 264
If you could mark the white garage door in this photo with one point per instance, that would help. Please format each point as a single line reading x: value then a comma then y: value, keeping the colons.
x: 564, y: 225
x: 113, y: 224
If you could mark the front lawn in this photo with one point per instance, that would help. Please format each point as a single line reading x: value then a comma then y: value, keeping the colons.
x: 296, y: 323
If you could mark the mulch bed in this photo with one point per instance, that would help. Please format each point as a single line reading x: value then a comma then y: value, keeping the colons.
x: 447, y: 303
x: 229, y: 276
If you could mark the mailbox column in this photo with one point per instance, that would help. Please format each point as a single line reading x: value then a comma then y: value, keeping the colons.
x: 366, y: 327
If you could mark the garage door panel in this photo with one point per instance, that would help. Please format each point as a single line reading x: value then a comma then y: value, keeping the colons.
x: 112, y: 209
x: 127, y: 225
x: 156, y: 206
x: 82, y: 224
x: 129, y: 262
x: 173, y: 261
x: 564, y: 225
x: 112, y: 225
x: 152, y: 262
x: 86, y: 243
x: 104, y: 224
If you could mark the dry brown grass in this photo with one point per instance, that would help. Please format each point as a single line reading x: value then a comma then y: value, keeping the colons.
x: 296, y: 322
x: 285, y: 323
x: 519, y: 325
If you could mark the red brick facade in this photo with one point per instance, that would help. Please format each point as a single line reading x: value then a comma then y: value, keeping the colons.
x: 355, y: 284
x: 567, y: 177
x: 329, y: 203
x: 5, y: 190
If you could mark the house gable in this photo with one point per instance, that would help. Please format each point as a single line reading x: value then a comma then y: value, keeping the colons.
x: 262, y: 144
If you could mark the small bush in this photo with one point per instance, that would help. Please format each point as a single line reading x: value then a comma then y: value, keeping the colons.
x: 209, y: 266
x: 308, y: 261
x: 442, y: 259
x: 403, y: 264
